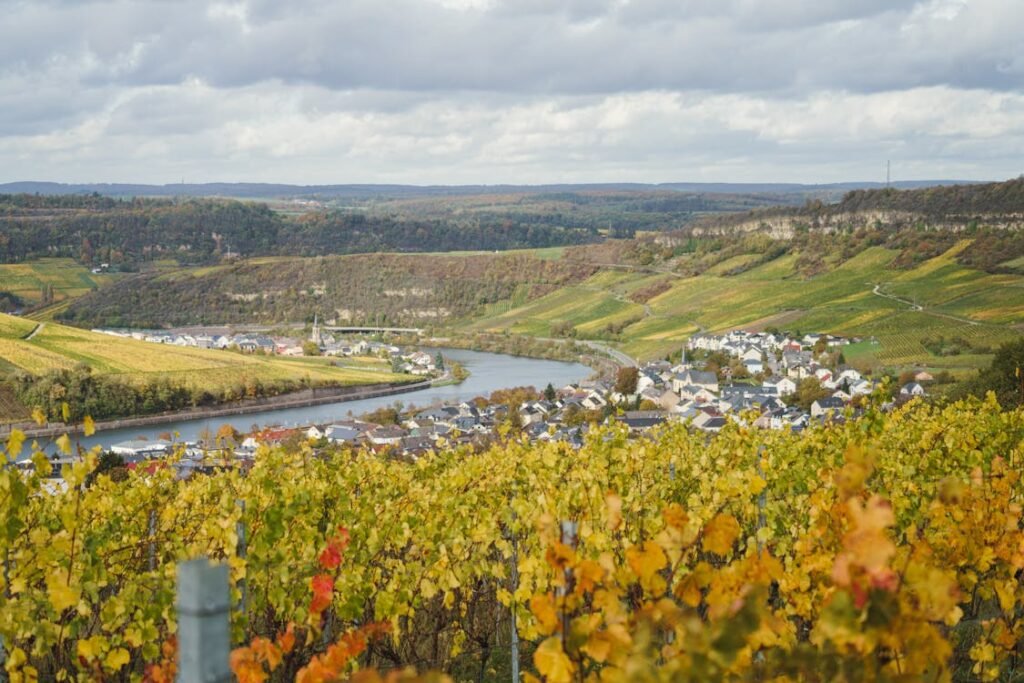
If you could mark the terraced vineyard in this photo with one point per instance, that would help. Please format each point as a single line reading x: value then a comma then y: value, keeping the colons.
x: 68, y: 279
x: 55, y: 347
x: 979, y: 307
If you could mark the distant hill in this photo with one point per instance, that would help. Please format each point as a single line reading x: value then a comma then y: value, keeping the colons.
x: 286, y: 191
x: 999, y: 205
x: 98, y: 229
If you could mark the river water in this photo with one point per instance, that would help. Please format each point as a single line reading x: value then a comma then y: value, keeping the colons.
x: 488, y: 372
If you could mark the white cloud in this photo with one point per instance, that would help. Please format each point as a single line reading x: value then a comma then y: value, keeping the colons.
x: 426, y: 91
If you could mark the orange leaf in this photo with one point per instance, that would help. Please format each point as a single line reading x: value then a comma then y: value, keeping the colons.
x: 267, y: 652
x: 720, y: 534
x: 245, y: 667
x: 286, y: 640
x: 544, y: 610
x: 675, y: 516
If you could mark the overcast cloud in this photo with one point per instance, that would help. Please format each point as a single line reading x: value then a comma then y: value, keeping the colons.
x: 518, y: 91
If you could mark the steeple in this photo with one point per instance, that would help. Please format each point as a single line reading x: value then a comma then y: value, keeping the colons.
x: 315, y: 336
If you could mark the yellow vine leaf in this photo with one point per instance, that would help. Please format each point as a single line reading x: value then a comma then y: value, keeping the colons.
x: 14, y: 443
x: 598, y: 646
x: 88, y: 426
x: 720, y: 534
x: 60, y: 593
x: 552, y: 662
x: 427, y: 588
x: 646, y: 560
x: 91, y: 648
x: 613, y: 505
x: 757, y: 484
x: 116, y: 659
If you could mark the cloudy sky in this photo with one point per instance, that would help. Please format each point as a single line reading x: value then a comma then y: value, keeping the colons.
x: 519, y: 91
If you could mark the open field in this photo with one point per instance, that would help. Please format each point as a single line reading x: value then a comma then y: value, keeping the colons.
x: 956, y: 301
x: 59, y: 347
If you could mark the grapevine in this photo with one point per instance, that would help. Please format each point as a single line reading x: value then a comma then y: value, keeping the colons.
x: 883, y: 548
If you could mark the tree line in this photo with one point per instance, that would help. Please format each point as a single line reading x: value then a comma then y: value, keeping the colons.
x: 72, y: 394
x: 97, y: 230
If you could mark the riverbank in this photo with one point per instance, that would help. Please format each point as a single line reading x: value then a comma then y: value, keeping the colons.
x: 488, y: 372
x: 298, y: 399
x: 521, y: 346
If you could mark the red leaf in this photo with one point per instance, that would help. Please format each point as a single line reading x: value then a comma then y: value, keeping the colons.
x: 330, y: 558
x: 323, y: 591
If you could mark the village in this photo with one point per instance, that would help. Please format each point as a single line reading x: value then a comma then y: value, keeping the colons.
x: 319, y: 343
x: 767, y: 380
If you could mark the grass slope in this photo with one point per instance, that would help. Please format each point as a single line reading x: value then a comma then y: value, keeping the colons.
x: 57, y: 346
x: 979, y: 307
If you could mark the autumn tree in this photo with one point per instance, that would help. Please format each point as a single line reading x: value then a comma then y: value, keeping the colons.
x: 808, y: 391
x: 625, y: 381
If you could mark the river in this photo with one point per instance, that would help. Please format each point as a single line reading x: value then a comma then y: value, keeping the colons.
x: 488, y: 372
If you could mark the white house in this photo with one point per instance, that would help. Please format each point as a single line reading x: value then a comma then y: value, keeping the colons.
x: 784, y: 386
x: 912, y: 389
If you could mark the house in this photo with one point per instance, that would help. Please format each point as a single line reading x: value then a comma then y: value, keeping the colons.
x: 647, y: 379
x: 642, y: 420
x: 861, y: 387
x: 784, y: 386
x: 594, y: 401
x: 692, y: 392
x: 706, y: 380
x: 441, y: 415
x: 465, y: 423
x: 248, y: 345
x: 668, y: 400
x: 342, y: 434
x: 652, y: 394
x: 140, y: 449
x: 912, y: 389
x: 708, y: 422
x: 754, y: 367
x: 386, y: 435
x: 530, y: 414
x: 799, y: 372
x: 416, y: 445
x: 849, y: 375
x: 274, y: 436
x: 923, y: 376
x: 750, y: 353
x: 824, y: 406
x: 792, y: 359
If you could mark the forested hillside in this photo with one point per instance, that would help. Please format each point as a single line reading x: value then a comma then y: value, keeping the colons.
x: 128, y: 233
x: 360, y: 289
